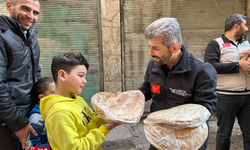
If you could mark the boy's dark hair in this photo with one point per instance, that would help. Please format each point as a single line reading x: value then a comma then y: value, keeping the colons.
x: 41, y: 86
x: 67, y: 62
x: 232, y: 20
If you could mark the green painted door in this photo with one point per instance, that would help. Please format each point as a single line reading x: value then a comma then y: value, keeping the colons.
x: 70, y: 26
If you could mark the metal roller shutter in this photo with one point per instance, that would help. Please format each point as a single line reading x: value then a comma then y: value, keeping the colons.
x: 200, y: 21
x: 71, y: 26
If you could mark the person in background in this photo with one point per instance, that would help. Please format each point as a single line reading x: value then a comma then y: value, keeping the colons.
x: 233, y: 86
x: 174, y: 76
x: 19, y: 71
x: 43, y: 87
x: 71, y: 124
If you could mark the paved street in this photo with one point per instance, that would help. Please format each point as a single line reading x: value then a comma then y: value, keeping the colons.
x: 127, y: 137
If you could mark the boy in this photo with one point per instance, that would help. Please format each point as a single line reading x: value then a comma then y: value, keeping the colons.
x: 70, y: 122
x: 43, y: 87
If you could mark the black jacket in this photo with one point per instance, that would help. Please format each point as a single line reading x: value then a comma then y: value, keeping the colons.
x: 191, y: 81
x: 19, y: 70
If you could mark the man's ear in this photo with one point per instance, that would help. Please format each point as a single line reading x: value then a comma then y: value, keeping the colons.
x: 9, y: 6
x: 61, y: 75
x: 175, y: 48
x: 236, y: 27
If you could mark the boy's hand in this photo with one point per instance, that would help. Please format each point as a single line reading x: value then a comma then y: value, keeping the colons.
x: 23, y: 133
x: 111, y: 125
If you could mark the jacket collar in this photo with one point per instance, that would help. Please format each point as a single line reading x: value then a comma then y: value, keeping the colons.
x: 184, y: 63
x: 35, y: 109
x: 226, y: 40
x: 182, y: 66
x: 9, y: 23
x: 3, y: 25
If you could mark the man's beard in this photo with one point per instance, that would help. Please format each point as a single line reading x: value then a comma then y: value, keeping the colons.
x: 162, y: 62
x: 15, y: 16
x: 239, y: 34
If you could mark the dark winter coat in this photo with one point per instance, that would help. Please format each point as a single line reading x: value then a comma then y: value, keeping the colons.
x: 19, y: 70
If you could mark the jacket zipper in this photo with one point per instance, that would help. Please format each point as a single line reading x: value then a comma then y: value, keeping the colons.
x: 32, y: 59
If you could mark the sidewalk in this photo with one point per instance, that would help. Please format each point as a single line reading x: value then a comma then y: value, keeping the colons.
x: 126, y: 137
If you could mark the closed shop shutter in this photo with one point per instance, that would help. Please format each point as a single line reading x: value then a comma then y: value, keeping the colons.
x: 200, y: 21
x: 71, y: 26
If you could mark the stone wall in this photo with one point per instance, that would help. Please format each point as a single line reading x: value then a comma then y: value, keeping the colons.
x: 111, y: 42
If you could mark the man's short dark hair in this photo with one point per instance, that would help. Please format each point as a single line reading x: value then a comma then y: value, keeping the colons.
x: 40, y: 87
x: 67, y: 62
x: 232, y: 20
x: 14, y: 1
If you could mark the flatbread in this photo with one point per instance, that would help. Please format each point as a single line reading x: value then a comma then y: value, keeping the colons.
x: 127, y: 107
x: 182, y: 116
x: 164, y: 137
x: 243, y: 53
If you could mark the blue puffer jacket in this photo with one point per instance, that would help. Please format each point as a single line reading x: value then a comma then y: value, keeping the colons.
x: 41, y: 140
x: 191, y: 81
x: 19, y: 70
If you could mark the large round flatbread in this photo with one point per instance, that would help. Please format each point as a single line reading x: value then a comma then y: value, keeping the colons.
x: 166, y: 138
x: 182, y: 116
x: 127, y: 107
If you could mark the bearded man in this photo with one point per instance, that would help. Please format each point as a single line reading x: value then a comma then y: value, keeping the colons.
x: 233, y: 86
x: 174, y: 76
x: 19, y: 70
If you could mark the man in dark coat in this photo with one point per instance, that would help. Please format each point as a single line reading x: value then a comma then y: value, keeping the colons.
x: 174, y: 76
x: 19, y: 70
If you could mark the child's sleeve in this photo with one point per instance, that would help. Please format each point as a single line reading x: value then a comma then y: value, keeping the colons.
x: 63, y: 133
x: 99, y: 121
x: 40, y: 141
x: 37, y: 123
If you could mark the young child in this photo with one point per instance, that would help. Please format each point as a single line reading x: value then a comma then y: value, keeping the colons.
x: 71, y: 124
x: 43, y: 87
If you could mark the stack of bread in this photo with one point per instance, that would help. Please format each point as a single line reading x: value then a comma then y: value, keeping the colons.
x: 179, y: 128
x: 243, y: 54
x: 126, y: 108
